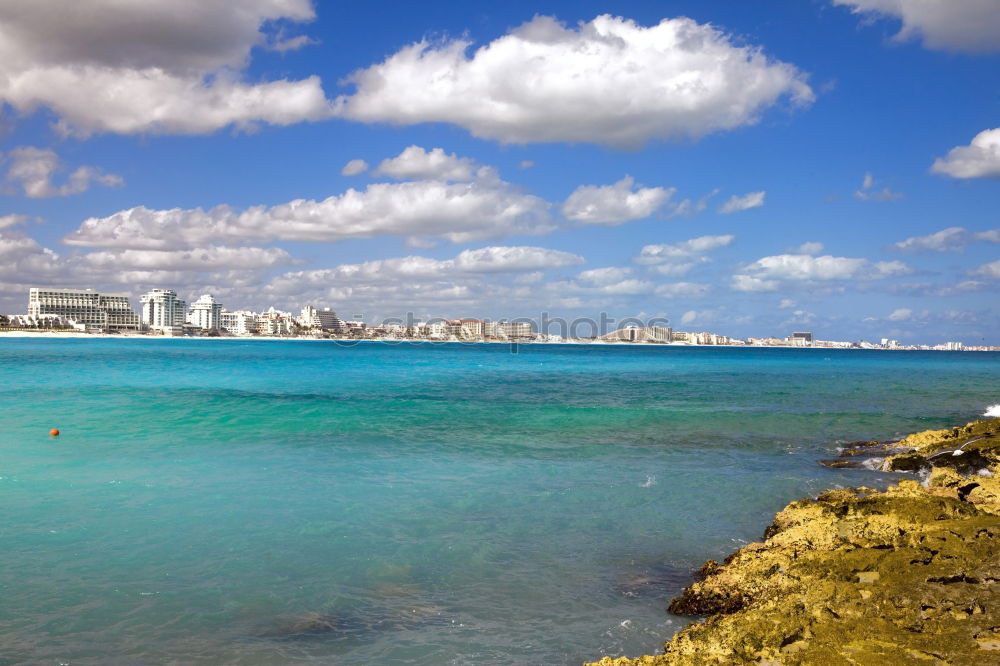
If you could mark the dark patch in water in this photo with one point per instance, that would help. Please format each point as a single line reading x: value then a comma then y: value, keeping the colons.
x: 354, y: 623
x: 660, y: 580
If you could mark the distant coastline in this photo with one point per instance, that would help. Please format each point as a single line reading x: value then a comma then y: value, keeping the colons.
x: 80, y: 335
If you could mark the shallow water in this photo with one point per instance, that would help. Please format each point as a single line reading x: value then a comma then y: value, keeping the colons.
x: 224, y: 501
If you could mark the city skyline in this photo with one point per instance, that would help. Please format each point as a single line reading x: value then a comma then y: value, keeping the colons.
x: 161, y: 312
x: 828, y: 165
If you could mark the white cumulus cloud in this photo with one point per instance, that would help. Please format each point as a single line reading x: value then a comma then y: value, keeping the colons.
x: 225, y: 271
x: 811, y: 247
x: 513, y: 259
x: 656, y: 254
x: 32, y: 169
x: 416, y: 163
x: 497, y: 259
x: 742, y: 282
x: 990, y: 270
x: 614, y: 204
x: 746, y: 202
x: 477, y: 278
x: 211, y: 258
x: 8, y: 221
x: 677, y: 259
x: 458, y: 212
x: 950, y: 25
x: 23, y: 258
x: 950, y: 239
x: 354, y: 167
x: 604, y: 276
x: 767, y: 273
x: 153, y: 67
x: 980, y: 159
x: 608, y: 81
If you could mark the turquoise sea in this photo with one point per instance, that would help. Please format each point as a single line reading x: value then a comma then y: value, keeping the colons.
x: 235, y: 502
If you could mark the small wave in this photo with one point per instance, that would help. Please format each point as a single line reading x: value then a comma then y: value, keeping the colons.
x: 993, y: 410
x: 874, y: 464
x: 924, y: 475
x: 650, y: 481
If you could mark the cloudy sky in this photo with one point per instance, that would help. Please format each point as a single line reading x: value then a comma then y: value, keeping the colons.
x: 742, y: 168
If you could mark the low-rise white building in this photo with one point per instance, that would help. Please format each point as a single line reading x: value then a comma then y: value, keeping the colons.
x: 471, y: 328
x: 517, y: 329
x: 241, y: 322
x: 42, y: 321
x: 642, y: 334
x: 274, y: 322
x: 436, y: 329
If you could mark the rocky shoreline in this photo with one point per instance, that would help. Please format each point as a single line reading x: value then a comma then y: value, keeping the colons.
x: 858, y: 576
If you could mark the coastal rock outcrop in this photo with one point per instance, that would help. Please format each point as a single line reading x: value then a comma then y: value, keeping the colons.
x: 856, y: 576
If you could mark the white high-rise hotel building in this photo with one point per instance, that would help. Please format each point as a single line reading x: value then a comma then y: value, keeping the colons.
x: 84, y: 306
x: 206, y: 313
x: 162, y: 309
x: 325, y: 319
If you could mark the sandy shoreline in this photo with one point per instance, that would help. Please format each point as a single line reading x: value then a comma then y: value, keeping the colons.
x: 350, y: 341
x: 354, y: 341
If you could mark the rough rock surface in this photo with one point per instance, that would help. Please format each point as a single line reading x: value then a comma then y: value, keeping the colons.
x: 906, y: 576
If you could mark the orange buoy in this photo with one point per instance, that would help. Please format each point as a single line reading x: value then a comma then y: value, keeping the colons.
x: 54, y: 432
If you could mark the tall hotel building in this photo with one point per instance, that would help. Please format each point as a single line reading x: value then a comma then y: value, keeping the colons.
x: 206, y: 313
x: 161, y: 309
x: 84, y: 306
x: 325, y: 319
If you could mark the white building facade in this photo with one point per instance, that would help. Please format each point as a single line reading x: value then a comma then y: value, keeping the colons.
x: 325, y: 319
x: 517, y: 329
x: 161, y: 309
x: 42, y: 321
x: 109, y: 312
x: 206, y: 313
x: 241, y: 322
x: 274, y: 322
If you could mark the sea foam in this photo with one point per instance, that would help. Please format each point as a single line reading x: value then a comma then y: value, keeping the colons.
x: 993, y: 410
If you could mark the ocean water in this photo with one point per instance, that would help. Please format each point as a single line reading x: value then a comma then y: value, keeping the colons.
x: 239, y: 502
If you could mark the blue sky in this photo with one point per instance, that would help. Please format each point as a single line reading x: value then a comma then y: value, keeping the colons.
x: 742, y: 168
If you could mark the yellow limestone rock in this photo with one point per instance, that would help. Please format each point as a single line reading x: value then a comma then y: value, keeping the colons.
x: 906, y: 576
